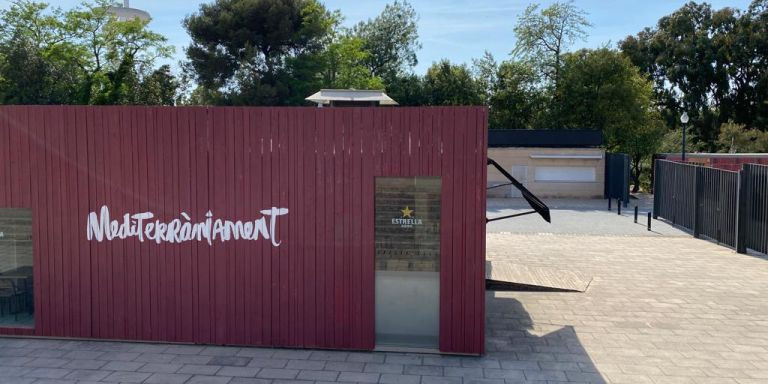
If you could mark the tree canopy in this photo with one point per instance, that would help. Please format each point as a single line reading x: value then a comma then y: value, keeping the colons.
x: 80, y: 56
x: 544, y: 35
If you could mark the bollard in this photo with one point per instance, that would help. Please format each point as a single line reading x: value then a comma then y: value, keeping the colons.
x: 609, y: 203
x: 635, y: 214
x: 649, y: 221
x: 618, y: 206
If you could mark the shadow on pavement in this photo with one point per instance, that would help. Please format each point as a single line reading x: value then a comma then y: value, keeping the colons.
x: 551, y: 353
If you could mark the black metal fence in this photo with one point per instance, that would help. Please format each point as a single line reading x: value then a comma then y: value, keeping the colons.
x: 725, y: 206
x: 753, y: 213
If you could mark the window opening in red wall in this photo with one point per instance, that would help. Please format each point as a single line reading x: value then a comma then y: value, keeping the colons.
x: 16, y: 266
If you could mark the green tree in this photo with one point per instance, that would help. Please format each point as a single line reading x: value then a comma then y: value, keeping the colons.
x: 516, y: 101
x: 80, y: 56
x: 392, y: 39
x: 602, y: 89
x: 246, y: 51
x: 735, y: 138
x: 710, y: 63
x: 408, y: 90
x: 544, y: 35
x: 485, y: 71
x: 451, y: 84
x: 39, y: 65
x: 347, y: 65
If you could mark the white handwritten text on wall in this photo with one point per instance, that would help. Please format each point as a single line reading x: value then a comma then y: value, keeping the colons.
x: 141, y: 226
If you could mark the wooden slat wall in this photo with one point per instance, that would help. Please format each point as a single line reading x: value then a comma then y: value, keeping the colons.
x: 315, y: 290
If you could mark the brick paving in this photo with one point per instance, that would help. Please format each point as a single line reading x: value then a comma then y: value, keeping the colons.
x: 659, y: 310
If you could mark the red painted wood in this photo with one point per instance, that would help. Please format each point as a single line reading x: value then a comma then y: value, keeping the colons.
x: 315, y: 290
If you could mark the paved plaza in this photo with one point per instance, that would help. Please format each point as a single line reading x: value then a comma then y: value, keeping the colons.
x: 579, y: 217
x: 660, y: 309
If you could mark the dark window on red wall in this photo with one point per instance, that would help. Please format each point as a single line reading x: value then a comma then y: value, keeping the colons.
x: 16, y: 266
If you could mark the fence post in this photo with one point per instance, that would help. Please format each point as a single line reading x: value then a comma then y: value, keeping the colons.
x: 649, y: 221
x: 656, y: 189
x: 696, y: 195
x: 741, y: 211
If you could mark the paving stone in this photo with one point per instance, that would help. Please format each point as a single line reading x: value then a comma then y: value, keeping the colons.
x: 442, y: 361
x: 14, y: 352
x: 51, y: 353
x: 383, y: 368
x: 480, y: 363
x: 155, y: 357
x: 317, y: 375
x: 391, y: 378
x: 201, y: 379
x: 14, y: 371
x: 119, y: 356
x: 291, y: 354
x: 85, y: 364
x: 191, y: 359
x: 195, y: 369
x: 126, y: 377
x: 16, y: 380
x: 84, y: 355
x: 184, y: 349
x: 277, y: 373
x: 48, y: 373
x: 361, y: 357
x: 344, y: 366
x: 256, y: 352
x: 167, y: 378
x: 9, y: 361
x: 519, y: 365
x: 248, y: 380
x: 440, y: 380
x: 122, y: 366
x: 358, y: 377
x: 423, y: 370
x: 329, y: 355
x: 43, y: 362
x: 463, y: 372
x: 267, y: 363
x: 290, y: 381
x: 238, y: 371
x: 507, y: 374
x: 87, y: 375
x: 219, y: 351
x: 149, y: 348
x: 306, y: 364
x: 402, y: 359
x: 231, y: 361
x: 160, y: 368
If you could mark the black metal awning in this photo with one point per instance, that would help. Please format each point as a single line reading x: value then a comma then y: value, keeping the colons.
x: 535, y: 203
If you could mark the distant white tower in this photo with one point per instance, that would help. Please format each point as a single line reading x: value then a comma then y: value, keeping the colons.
x: 127, y: 13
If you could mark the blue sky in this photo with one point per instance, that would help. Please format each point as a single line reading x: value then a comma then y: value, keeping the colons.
x: 458, y: 30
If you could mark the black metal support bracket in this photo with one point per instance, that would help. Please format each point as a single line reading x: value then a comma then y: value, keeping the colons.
x: 535, y: 203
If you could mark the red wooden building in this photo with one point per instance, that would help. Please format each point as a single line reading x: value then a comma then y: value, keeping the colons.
x: 291, y: 227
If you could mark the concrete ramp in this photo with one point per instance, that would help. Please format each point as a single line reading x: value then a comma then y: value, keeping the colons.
x: 504, y: 275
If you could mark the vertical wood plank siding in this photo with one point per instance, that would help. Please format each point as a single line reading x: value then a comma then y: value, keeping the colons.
x: 314, y: 290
